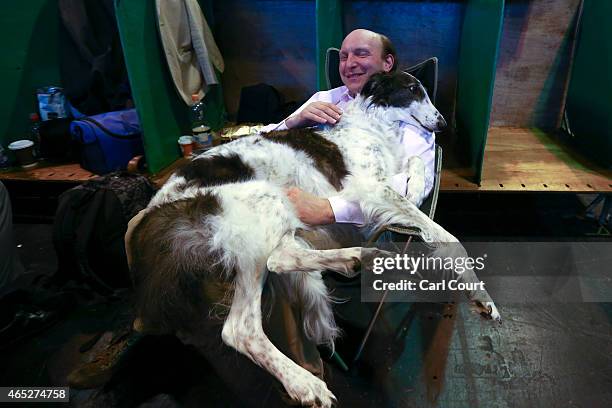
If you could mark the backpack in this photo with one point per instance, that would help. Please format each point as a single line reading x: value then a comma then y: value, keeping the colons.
x: 89, y: 228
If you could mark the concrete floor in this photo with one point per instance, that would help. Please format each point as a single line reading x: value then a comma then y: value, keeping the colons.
x: 546, y: 355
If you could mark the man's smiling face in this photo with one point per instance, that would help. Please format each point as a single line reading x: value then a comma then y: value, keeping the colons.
x: 360, y: 57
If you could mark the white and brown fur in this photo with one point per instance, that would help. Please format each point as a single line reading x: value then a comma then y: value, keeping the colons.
x: 225, y: 215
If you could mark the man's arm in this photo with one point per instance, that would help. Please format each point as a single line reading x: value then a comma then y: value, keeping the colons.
x: 314, y: 113
x: 317, y: 109
x: 311, y: 209
x: 315, y: 210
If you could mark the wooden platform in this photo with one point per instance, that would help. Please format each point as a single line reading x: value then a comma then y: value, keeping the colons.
x: 519, y: 159
x: 71, y: 172
x: 516, y: 159
x: 45, y: 171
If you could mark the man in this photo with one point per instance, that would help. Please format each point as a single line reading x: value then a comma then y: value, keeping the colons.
x: 362, y: 54
x: 10, y: 266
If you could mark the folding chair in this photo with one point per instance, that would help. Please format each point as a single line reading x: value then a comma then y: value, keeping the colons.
x: 426, y: 72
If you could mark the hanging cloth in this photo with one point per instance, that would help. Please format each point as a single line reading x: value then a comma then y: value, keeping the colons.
x: 190, y: 48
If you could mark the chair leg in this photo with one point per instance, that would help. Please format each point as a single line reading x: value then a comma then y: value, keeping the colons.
x: 370, y: 327
x: 375, y: 316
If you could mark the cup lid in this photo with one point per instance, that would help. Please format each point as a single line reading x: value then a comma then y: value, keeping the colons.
x: 20, y: 144
x: 200, y: 129
x: 185, y: 140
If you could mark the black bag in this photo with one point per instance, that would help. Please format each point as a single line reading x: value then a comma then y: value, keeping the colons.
x: 89, y: 228
x: 262, y: 103
x: 56, y: 141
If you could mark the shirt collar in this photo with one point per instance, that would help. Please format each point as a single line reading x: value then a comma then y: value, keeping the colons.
x: 345, y: 95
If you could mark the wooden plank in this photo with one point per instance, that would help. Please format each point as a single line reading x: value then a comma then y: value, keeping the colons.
x: 45, y: 171
x: 519, y: 159
x: 162, y: 176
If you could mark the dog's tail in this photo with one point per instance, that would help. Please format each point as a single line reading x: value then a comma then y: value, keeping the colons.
x: 178, y: 276
x: 319, y: 322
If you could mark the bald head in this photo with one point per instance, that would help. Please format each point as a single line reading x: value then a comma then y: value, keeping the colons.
x: 362, y: 54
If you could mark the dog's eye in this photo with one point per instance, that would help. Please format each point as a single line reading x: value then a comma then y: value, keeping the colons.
x: 412, y: 88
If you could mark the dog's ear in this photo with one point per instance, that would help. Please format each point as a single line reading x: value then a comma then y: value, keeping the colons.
x: 371, y: 85
x: 377, y: 88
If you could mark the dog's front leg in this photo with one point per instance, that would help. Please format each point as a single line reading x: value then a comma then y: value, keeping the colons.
x: 243, y: 331
x: 479, y: 298
x: 381, y: 205
x: 414, y: 168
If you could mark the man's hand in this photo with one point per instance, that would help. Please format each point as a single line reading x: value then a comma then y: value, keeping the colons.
x: 315, y: 113
x: 311, y: 209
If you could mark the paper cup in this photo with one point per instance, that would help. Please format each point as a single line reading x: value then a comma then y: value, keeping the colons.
x: 186, y: 144
x: 24, y: 151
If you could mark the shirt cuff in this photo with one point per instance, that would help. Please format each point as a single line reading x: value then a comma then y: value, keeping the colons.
x: 346, y: 212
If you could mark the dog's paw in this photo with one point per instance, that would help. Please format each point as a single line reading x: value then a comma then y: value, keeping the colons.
x: 370, y: 255
x: 310, y: 391
x: 415, y: 189
x: 488, y: 310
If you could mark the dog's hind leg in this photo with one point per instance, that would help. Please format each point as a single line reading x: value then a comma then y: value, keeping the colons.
x: 243, y: 331
x: 293, y: 254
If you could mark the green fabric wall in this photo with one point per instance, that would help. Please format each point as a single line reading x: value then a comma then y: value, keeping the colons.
x: 329, y: 34
x: 589, y: 99
x: 163, y: 114
x: 480, y: 37
x: 29, y: 60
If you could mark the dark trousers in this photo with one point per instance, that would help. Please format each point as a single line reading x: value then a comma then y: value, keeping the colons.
x: 10, y: 267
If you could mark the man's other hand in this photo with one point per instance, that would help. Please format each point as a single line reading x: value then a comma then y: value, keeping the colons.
x: 315, y: 113
x: 311, y: 209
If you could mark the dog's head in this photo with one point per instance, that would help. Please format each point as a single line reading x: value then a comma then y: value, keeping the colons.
x: 404, y: 99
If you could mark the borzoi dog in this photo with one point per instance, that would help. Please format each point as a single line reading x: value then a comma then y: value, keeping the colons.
x: 225, y: 215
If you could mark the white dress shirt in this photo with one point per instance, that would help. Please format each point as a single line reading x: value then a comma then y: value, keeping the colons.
x: 415, y: 140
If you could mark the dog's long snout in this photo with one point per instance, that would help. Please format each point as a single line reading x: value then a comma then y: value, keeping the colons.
x: 440, y: 123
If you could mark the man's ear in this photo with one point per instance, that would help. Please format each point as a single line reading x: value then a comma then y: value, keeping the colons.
x: 388, y: 62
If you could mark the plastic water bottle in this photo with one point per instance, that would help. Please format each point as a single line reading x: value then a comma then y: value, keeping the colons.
x: 35, y: 132
x: 197, y: 111
x: 199, y: 129
x: 4, y: 160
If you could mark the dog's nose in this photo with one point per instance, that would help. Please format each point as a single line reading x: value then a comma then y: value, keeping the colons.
x: 441, y: 124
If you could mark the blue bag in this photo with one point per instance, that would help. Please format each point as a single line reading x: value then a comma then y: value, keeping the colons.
x: 108, y: 141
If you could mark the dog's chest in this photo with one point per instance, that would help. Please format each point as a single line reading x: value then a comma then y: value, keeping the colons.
x: 367, y: 155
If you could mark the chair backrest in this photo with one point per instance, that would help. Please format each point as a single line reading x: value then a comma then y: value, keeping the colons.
x: 429, y: 204
x: 425, y: 71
